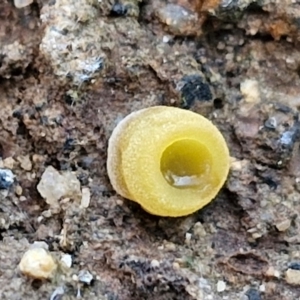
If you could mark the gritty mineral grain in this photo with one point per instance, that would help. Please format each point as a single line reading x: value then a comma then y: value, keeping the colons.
x: 54, y: 186
x: 37, y: 263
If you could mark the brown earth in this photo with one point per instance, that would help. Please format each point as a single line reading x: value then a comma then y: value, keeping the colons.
x: 70, y: 70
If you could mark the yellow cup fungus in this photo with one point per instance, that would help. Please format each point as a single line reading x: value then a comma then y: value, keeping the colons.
x: 169, y: 160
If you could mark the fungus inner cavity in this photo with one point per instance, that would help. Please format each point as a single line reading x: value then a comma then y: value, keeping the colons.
x: 186, y: 164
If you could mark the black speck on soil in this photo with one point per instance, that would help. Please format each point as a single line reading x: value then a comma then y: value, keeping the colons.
x: 118, y: 10
x: 294, y: 266
x: 194, y: 89
x: 253, y: 294
x: 6, y: 179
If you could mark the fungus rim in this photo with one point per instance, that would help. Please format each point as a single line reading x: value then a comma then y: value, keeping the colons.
x: 127, y: 139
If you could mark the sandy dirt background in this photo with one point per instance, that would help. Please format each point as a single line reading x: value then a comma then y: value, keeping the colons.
x: 71, y: 70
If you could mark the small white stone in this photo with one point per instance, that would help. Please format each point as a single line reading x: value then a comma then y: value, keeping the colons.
x: 262, y: 288
x: 40, y: 244
x: 188, y: 237
x: 67, y: 260
x: 86, y: 197
x: 166, y: 38
x: 221, y: 286
x: 22, y: 3
x: 155, y: 263
x: 85, y: 276
x: 58, y: 292
x: 40, y: 219
x: 74, y: 277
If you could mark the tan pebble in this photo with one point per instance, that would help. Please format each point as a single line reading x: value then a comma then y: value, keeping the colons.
x: 210, y: 250
x: 295, y: 254
x: 195, y: 292
x: 199, y: 230
x: 272, y: 272
x: 18, y: 190
x: 221, y: 46
x: 283, y: 225
x: 120, y: 202
x: 36, y: 158
x: 65, y: 200
x: 263, y: 203
x: 256, y: 235
x: 25, y: 162
x: 250, y: 91
x: 211, y: 228
x: 170, y: 246
x: 9, y: 163
x: 270, y: 288
x: 237, y: 165
x: 292, y: 277
x: 54, y: 185
x: 47, y: 213
x: 176, y: 265
x: 229, y: 56
x: 37, y: 263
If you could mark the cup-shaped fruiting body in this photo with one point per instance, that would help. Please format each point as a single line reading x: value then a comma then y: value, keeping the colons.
x: 169, y: 160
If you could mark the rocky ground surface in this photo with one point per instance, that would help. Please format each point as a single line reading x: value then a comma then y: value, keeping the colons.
x: 70, y: 70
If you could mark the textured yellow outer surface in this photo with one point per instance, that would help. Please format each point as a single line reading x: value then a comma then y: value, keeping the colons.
x: 135, y: 153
